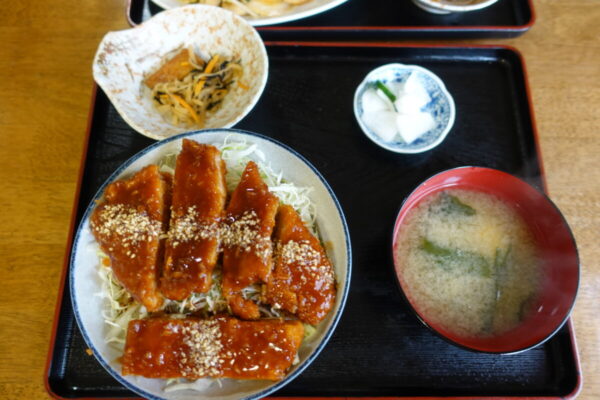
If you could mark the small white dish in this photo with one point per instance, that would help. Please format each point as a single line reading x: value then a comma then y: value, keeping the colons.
x: 441, y: 106
x: 449, y: 6
x: 125, y: 58
x: 85, y: 283
x: 306, y: 10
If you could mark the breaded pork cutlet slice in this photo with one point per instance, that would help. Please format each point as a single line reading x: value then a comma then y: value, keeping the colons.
x: 302, y: 281
x: 176, y: 68
x: 199, y: 195
x: 247, y: 248
x: 221, y: 347
x: 128, y: 224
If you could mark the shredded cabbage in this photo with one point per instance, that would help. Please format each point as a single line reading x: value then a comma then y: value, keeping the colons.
x: 120, y: 306
x: 236, y: 155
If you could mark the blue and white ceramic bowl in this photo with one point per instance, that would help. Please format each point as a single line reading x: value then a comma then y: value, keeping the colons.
x: 85, y: 283
x: 441, y: 106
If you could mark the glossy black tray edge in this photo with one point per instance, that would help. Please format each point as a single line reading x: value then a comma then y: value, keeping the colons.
x: 296, y: 31
x: 567, y: 332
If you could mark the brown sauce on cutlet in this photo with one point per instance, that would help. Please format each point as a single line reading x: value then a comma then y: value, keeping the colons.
x: 199, y: 195
x: 247, y: 246
x: 302, y: 281
x: 221, y: 347
x: 128, y: 225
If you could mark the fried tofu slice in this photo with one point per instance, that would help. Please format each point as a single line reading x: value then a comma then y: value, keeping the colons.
x: 128, y: 224
x: 221, y: 347
x: 302, y: 281
x: 176, y: 68
x: 247, y: 247
x: 199, y: 195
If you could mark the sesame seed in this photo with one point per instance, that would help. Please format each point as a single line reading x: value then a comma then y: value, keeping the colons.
x: 243, y: 232
x: 130, y: 224
x: 204, y: 346
x: 302, y: 255
x: 188, y: 227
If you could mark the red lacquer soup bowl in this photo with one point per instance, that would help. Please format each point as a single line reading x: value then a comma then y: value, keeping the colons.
x: 556, y: 249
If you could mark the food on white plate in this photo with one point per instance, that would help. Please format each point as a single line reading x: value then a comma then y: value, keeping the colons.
x: 253, y: 8
x: 220, y: 347
x: 469, y: 263
x: 394, y: 111
x: 205, y: 176
x: 247, y: 247
x: 128, y: 224
x: 186, y: 88
x: 199, y: 194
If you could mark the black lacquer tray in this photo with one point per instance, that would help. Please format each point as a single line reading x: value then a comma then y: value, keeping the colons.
x: 379, y: 348
x: 388, y: 20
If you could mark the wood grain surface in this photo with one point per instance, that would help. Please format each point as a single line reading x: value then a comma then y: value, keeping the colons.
x: 46, y: 50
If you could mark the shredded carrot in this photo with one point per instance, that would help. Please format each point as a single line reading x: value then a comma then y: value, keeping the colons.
x: 185, y: 64
x: 88, y: 351
x: 185, y: 105
x: 211, y: 64
x: 209, y: 68
x: 243, y: 86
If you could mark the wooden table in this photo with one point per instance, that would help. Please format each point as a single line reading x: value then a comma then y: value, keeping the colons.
x: 46, y: 50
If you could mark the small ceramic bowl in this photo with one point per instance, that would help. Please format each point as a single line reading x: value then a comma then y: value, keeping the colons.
x: 556, y: 249
x: 86, y: 285
x: 441, y: 106
x: 289, y: 14
x: 125, y: 58
x: 449, y: 6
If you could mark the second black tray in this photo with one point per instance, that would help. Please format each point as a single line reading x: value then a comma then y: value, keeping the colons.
x: 379, y: 348
x: 388, y: 20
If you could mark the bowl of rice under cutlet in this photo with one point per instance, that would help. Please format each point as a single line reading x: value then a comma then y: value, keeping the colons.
x: 165, y: 346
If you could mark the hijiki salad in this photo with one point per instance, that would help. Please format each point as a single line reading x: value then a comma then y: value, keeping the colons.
x: 189, y: 86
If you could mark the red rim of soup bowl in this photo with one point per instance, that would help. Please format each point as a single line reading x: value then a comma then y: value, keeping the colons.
x: 554, y: 240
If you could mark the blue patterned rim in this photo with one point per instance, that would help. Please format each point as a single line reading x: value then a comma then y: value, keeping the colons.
x: 441, y: 106
x: 148, y: 149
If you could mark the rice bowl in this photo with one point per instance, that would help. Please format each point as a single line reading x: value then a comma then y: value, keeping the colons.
x: 84, y: 275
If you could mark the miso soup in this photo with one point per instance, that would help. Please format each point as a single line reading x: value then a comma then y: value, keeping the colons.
x: 468, y: 262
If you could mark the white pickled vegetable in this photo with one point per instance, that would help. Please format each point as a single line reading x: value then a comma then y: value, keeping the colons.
x: 412, y: 126
x: 383, y: 124
x: 372, y: 102
x: 404, y: 116
x: 415, y: 91
x: 407, y: 105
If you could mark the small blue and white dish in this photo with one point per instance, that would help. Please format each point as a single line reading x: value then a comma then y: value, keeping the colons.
x: 440, y: 106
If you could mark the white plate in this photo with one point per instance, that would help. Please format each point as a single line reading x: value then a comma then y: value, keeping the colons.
x: 125, y: 58
x: 85, y: 283
x: 309, y: 9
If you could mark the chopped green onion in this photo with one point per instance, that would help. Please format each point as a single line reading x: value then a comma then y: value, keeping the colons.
x: 449, y: 259
x: 453, y: 205
x: 500, y: 263
x: 459, y: 205
x: 386, y: 91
